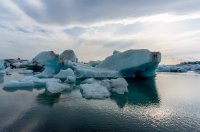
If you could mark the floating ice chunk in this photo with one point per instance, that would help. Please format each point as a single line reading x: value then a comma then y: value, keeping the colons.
x: 26, y: 72
x: 2, y: 66
x: 68, y: 55
x: 56, y: 87
x: 63, y: 74
x: 94, y: 91
x: 119, y: 85
x: 19, y: 84
x: 133, y: 63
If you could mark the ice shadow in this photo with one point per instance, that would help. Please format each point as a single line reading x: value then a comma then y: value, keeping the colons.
x: 142, y: 92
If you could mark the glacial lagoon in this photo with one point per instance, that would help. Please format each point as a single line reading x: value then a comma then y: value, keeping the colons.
x: 168, y: 102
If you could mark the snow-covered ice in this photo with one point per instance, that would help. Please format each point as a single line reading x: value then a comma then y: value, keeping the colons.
x: 94, y: 91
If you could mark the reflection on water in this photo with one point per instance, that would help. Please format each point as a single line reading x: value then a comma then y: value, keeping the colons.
x: 47, y: 98
x: 141, y: 92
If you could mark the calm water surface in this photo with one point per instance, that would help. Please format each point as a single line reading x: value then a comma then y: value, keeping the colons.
x: 170, y: 102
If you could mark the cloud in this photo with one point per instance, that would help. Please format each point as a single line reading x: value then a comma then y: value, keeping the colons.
x: 86, y: 11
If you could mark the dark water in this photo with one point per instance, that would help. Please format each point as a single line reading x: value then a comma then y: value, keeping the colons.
x: 170, y: 102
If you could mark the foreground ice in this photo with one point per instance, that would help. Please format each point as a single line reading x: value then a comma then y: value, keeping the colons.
x: 118, y: 86
x: 94, y: 91
x: 52, y: 85
x: 133, y: 63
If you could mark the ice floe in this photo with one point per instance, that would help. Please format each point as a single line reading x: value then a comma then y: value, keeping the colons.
x: 94, y: 91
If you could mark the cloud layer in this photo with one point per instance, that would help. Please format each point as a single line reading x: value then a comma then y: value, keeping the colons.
x: 28, y: 27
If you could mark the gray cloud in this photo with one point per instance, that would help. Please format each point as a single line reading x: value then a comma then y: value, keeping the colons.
x: 88, y: 11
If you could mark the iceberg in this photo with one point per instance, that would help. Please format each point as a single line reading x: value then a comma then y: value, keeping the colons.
x: 133, y: 63
x: 94, y: 91
x: 50, y: 61
x: 68, y: 55
x: 118, y: 86
x: 181, y: 68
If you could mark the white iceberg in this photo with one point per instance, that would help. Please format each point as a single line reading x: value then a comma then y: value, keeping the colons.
x: 133, y: 63
x: 70, y: 79
x: 94, y: 91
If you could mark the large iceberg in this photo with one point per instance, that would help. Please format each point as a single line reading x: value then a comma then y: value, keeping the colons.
x: 56, y: 87
x: 133, y: 63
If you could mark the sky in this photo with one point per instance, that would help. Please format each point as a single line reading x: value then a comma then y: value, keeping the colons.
x: 94, y: 28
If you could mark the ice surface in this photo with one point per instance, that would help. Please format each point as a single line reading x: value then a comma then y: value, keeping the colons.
x: 133, y: 63
x: 70, y: 79
x: 2, y: 64
x: 94, y: 63
x: 94, y: 91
